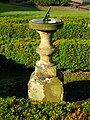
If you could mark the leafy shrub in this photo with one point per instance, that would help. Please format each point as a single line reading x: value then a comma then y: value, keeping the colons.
x: 12, y: 108
x: 73, y: 55
x: 49, y: 2
x: 19, y: 50
x: 74, y: 28
x: 77, y: 115
x: 70, y: 54
x: 17, y: 31
x: 19, y: 43
x: 86, y: 108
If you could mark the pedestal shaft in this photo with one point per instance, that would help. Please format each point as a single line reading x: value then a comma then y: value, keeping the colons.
x: 45, y: 49
x: 44, y: 84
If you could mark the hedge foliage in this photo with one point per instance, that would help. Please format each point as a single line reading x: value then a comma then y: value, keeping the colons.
x: 70, y: 54
x: 18, y: 42
x: 49, y: 2
x: 73, y: 28
x: 19, y: 109
x: 73, y: 55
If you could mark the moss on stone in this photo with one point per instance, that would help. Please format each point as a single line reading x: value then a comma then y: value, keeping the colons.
x: 54, y: 90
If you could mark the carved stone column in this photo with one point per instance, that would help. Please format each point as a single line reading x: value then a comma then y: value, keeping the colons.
x: 45, y: 67
x: 44, y: 84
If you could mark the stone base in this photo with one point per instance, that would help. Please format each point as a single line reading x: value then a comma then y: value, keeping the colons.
x: 48, y: 89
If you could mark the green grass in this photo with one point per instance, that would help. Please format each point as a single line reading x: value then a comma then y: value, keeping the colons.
x: 11, y: 7
x: 38, y: 11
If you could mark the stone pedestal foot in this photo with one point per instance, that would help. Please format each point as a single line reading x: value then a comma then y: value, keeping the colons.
x: 48, y: 89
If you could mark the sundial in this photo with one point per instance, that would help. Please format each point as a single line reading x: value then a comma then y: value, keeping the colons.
x: 46, y: 23
x: 44, y: 83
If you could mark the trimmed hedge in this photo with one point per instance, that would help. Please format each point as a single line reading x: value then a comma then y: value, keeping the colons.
x: 73, y: 55
x: 73, y: 28
x: 18, y: 42
x: 12, y: 108
x: 49, y: 2
x: 22, y: 51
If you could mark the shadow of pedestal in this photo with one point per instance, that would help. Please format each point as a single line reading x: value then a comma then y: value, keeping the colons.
x: 77, y: 91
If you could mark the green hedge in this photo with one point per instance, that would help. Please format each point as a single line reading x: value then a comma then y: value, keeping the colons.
x: 22, y: 109
x: 73, y: 55
x: 22, y: 51
x: 73, y: 28
x: 49, y: 2
x: 18, y: 42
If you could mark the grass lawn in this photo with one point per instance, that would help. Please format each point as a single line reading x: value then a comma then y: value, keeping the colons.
x: 38, y: 11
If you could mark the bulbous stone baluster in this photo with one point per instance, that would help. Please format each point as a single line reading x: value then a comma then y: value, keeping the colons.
x: 44, y: 83
x: 45, y: 50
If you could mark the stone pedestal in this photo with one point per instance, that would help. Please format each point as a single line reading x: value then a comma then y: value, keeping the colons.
x: 45, y: 89
x: 44, y: 84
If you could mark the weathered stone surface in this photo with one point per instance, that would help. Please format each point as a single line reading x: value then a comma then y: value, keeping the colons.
x: 45, y: 71
x: 48, y: 89
x: 53, y: 90
x: 35, y: 88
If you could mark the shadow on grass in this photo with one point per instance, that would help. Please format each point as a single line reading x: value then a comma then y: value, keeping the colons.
x: 13, y: 78
x: 77, y: 91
